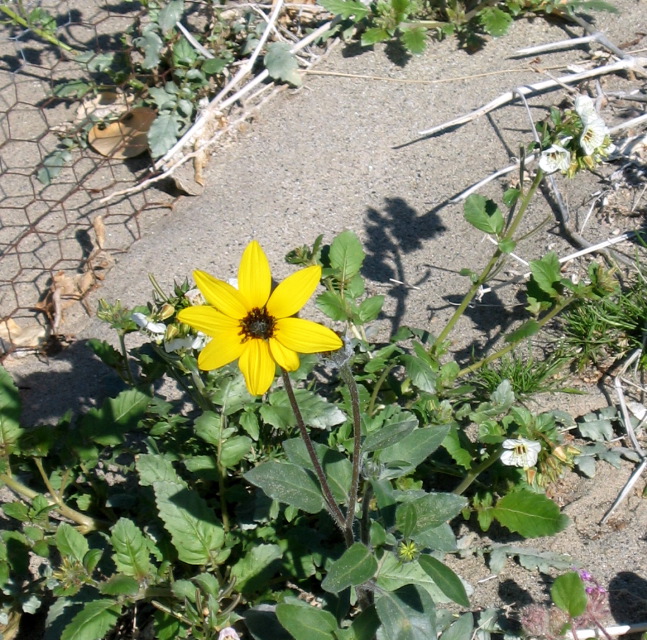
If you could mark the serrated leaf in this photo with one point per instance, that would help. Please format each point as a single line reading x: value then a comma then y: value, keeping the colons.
x: 282, y: 64
x: 234, y: 450
x: 530, y: 514
x: 131, y: 551
x: 446, y: 580
x: 170, y: 14
x: 346, y: 255
x: 10, y: 408
x: 569, y: 594
x: 120, y: 585
x: 94, y: 621
x: 154, y: 468
x: 346, y: 8
x: 70, y: 542
x: 414, y: 39
x: 256, y: 567
x: 483, y: 214
x: 195, y: 530
x: 495, y: 21
x: 305, y: 622
x: 370, y: 309
x: 287, y: 483
x: 163, y: 133
x: 373, y: 36
x: 407, y: 614
x: 356, y: 565
x: 152, y: 46
x: 332, y: 305
x: 546, y: 273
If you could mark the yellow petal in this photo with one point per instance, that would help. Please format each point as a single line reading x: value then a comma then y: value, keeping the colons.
x: 257, y: 366
x: 293, y: 292
x: 208, y: 320
x: 221, y: 295
x: 285, y: 358
x: 254, y: 276
x: 305, y: 336
x: 222, y: 350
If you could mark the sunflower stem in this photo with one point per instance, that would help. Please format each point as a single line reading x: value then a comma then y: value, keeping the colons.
x: 331, y: 504
x: 347, y: 377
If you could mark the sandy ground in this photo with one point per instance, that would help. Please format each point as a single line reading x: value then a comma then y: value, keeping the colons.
x: 343, y: 152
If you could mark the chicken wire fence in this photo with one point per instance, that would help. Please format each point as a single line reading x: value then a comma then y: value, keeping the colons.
x: 57, y: 240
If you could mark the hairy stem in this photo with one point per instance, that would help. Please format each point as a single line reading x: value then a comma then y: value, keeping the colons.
x: 347, y: 376
x: 331, y: 504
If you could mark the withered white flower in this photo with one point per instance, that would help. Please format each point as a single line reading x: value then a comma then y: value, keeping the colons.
x: 520, y: 453
x: 148, y: 325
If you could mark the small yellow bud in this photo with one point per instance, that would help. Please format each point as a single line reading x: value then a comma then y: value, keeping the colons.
x: 166, y: 311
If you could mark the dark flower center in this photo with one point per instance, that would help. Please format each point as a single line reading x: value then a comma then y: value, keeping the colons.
x: 257, y: 324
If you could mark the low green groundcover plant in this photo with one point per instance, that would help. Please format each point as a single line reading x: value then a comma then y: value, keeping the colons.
x: 304, y: 481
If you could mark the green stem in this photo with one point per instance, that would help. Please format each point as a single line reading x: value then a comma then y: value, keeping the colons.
x: 347, y: 376
x: 222, y: 471
x: 124, y: 353
x: 376, y: 390
x: 41, y: 33
x: 496, y: 256
x: 475, y: 471
x: 502, y: 352
x: 86, y: 523
x: 331, y: 504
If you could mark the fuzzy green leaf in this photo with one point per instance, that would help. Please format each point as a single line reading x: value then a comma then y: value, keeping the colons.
x: 373, y: 36
x: 407, y: 614
x: 170, y: 14
x: 256, y: 567
x: 94, y: 621
x: 448, y: 582
x: 569, y: 594
x: 282, y: 64
x: 346, y: 8
x: 414, y: 39
x: 346, y: 255
x: 131, y: 553
x: 195, y: 530
x: 333, y: 306
x: 356, y: 565
x: 315, y: 410
x: 163, y: 133
x: 70, y: 542
x: 392, y: 431
x: 495, y: 21
x: 433, y: 510
x: 530, y: 514
x: 483, y: 214
x: 287, y: 483
x: 305, y: 622
x: 461, y: 629
x: 152, y: 46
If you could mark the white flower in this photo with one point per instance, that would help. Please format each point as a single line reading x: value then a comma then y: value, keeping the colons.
x: 585, y: 108
x: 593, y: 136
x: 188, y: 342
x: 520, y: 453
x: 556, y: 158
x: 145, y: 323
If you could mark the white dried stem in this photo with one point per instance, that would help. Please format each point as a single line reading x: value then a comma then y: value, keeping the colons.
x: 554, y: 46
x: 194, y: 43
x: 616, y: 630
x: 627, y: 64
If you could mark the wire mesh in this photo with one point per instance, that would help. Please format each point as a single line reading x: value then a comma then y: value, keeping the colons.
x: 50, y: 252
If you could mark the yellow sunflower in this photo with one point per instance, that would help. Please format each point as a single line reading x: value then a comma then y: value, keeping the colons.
x: 255, y: 325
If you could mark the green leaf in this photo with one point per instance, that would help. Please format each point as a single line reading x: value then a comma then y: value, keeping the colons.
x: 131, y: 552
x: 170, y: 14
x: 10, y: 408
x: 356, y: 566
x: 333, y: 305
x: 420, y: 372
x: 346, y: 255
x: 593, y: 5
x: 305, y: 622
x: 154, y: 468
x: 483, y: 214
x: 370, y: 309
x: 526, y: 330
x: 456, y: 449
x: 152, y: 45
x: 394, y: 574
x: 184, y: 54
x: 287, y: 483
x: 495, y: 21
x: 392, y: 431
x: 461, y: 629
x: 346, y: 8
x: 434, y: 509
x: 373, y: 36
x: 234, y: 450
x: 530, y: 514
x: 407, y: 614
x: 119, y: 585
x: 315, y: 410
x: 282, y: 64
x: 196, y: 532
x: 569, y: 594
x: 163, y: 133
x: 70, y: 542
x: 91, y: 560
x: 507, y: 245
x: 448, y: 582
x: 414, y: 39
x: 214, y: 66
x: 546, y: 273
x: 106, y: 426
x: 94, y: 621
x: 254, y: 570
